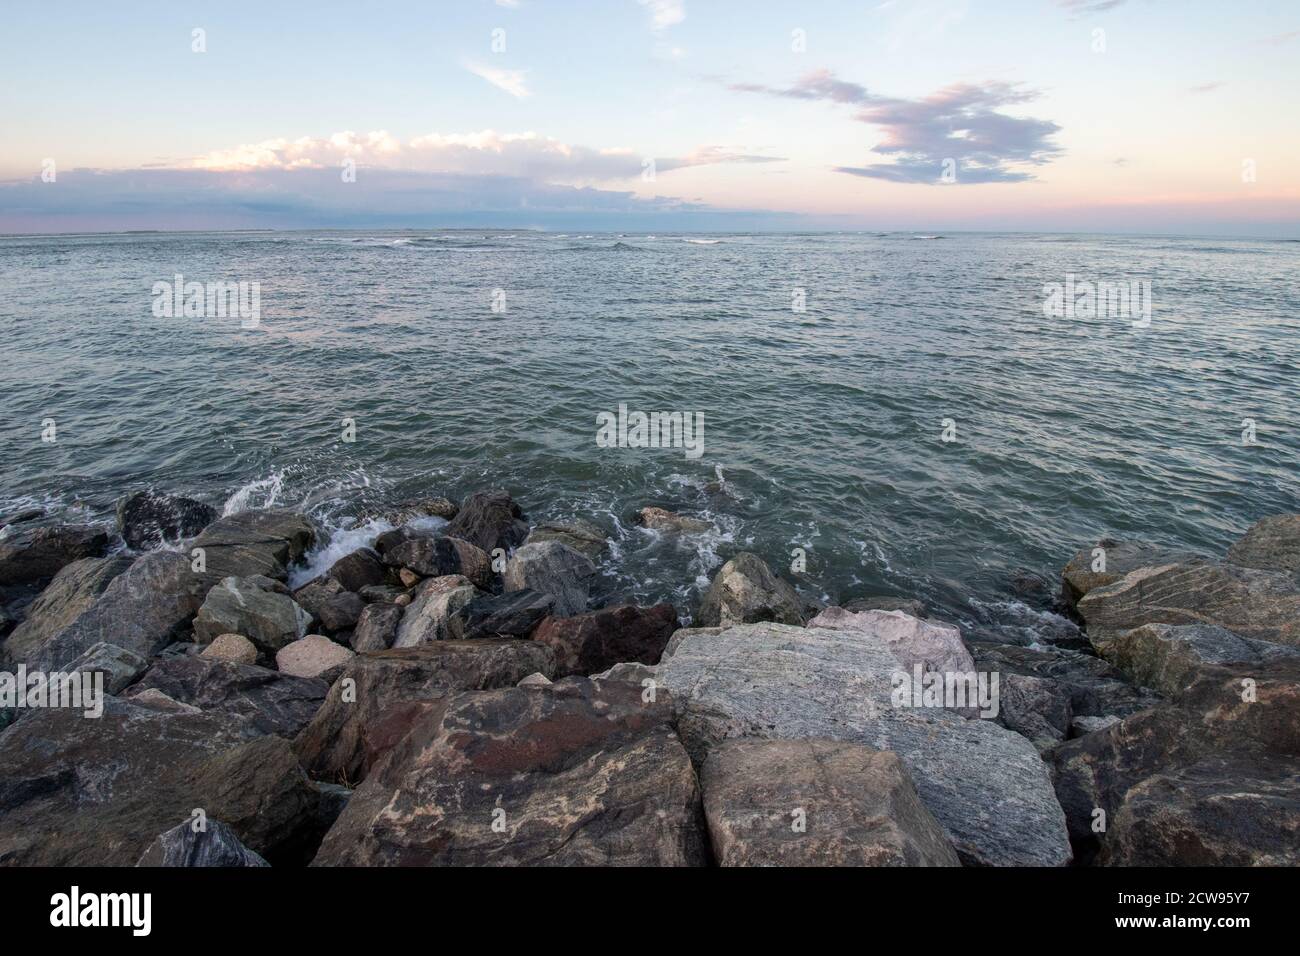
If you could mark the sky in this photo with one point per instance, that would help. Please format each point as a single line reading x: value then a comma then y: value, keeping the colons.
x: 1137, y: 116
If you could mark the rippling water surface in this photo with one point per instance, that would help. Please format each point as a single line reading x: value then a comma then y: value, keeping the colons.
x: 823, y: 426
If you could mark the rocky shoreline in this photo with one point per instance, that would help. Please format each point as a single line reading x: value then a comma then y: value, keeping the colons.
x: 447, y: 695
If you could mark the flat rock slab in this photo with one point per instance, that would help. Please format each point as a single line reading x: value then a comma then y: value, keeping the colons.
x: 985, y: 785
x: 333, y: 747
x: 256, y: 542
x: 78, y: 792
x: 816, y: 803
x: 272, y: 702
x: 1264, y: 605
x: 574, y: 773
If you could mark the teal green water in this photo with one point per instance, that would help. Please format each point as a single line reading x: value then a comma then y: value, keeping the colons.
x: 825, y: 426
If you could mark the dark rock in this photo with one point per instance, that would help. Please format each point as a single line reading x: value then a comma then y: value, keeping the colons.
x: 437, y: 613
x: 417, y: 508
x: 588, y: 643
x: 314, y: 595
x: 554, y: 569
x: 426, y: 555
x: 568, y: 774
x: 187, y: 845
x: 36, y: 554
x: 1096, y: 688
x: 271, y: 702
x: 582, y: 536
x: 147, y: 519
x: 119, y: 666
x: 256, y: 542
x: 333, y: 746
x: 816, y: 803
x: 79, y: 792
x: 73, y: 590
x: 376, y: 627
x: 745, y: 591
x: 143, y: 609
x: 659, y: 519
x: 20, y: 517
x: 489, y: 520
x: 360, y: 569
x: 381, y: 594
x: 513, y: 614
x: 269, y: 619
x: 341, y: 611
x: 1035, y: 707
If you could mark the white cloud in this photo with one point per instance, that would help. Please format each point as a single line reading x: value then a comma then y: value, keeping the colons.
x: 665, y: 13
x: 512, y: 81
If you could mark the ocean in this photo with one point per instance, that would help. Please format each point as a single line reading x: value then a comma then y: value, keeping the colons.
x: 829, y: 370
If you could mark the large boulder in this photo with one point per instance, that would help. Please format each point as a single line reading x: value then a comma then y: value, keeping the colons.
x: 489, y: 520
x: 574, y: 773
x: 431, y: 556
x: 554, y: 569
x: 1258, y: 604
x: 79, y: 792
x: 69, y: 595
x: 816, y: 803
x: 745, y: 591
x: 316, y: 593
x: 256, y: 542
x: 585, y: 537
x: 1109, y: 560
x: 142, y: 609
x: 985, y: 784
x: 341, y: 612
x: 237, y: 606
x: 588, y: 643
x: 932, y: 644
x: 376, y: 627
x: 435, y: 615
x: 1272, y: 544
x: 360, y: 569
x: 513, y: 614
x: 186, y: 844
x: 271, y: 702
x: 37, y: 553
x: 147, y: 519
x: 333, y: 747
x: 118, y: 666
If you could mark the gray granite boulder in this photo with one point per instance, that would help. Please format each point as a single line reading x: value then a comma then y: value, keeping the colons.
x: 745, y: 591
x: 69, y: 595
x: 235, y: 606
x: 214, y: 844
x: 555, y: 569
x: 255, y: 542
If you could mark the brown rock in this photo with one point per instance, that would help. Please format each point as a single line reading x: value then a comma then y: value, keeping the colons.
x: 588, y: 643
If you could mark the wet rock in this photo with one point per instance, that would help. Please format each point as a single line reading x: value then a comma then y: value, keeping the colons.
x: 588, y: 643
x: 1264, y: 605
x: 147, y: 519
x: 313, y: 656
x: 376, y: 628
x: 513, y: 614
x: 381, y: 594
x: 333, y: 746
x: 489, y: 520
x: 341, y: 612
x: 908, y: 606
x: 441, y: 556
x: 572, y: 774
x: 554, y: 569
x: 1096, y: 687
x: 984, y: 784
x: 581, y: 535
x: 816, y: 803
x: 271, y: 702
x: 69, y: 595
x: 436, y: 615
x: 1272, y: 544
x: 745, y: 591
x: 1119, y: 558
x: 360, y: 569
x: 213, y: 845
x: 256, y: 542
x: 34, y: 554
x: 417, y: 508
x: 268, y: 619
x: 79, y: 792
x: 142, y: 610
x: 20, y: 517
x: 118, y: 665
x: 231, y: 647
x: 659, y: 519
x: 316, y: 593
